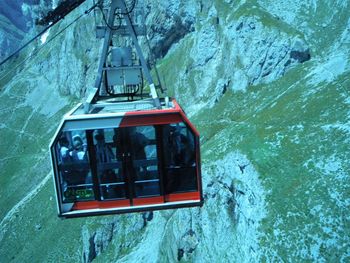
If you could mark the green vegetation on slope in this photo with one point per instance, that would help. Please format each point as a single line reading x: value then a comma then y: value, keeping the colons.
x: 283, y: 131
x: 292, y: 130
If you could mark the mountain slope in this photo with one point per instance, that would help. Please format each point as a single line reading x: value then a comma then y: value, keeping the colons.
x: 266, y: 84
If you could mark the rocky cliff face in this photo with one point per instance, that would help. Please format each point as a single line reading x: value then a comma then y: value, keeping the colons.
x: 264, y: 82
x: 16, y: 20
x: 237, y: 49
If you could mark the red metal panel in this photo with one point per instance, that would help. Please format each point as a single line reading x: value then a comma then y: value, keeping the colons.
x: 182, y: 197
x: 137, y: 201
x: 198, y: 167
x: 100, y: 204
x: 157, y: 117
x: 130, y: 119
x: 187, y: 121
x: 148, y: 200
x: 176, y: 109
x: 85, y: 205
x: 114, y: 203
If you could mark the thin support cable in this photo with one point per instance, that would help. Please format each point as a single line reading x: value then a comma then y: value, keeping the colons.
x: 43, y: 45
x: 37, y: 36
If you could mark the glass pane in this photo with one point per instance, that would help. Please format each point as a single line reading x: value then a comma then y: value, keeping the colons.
x: 180, y: 158
x: 143, y: 152
x: 74, y: 167
x: 109, y: 169
x: 147, y: 188
x: 113, y: 191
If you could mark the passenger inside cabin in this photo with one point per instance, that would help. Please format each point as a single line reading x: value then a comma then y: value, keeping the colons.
x: 107, y: 177
x: 117, y: 144
x: 76, y: 176
x: 143, y: 151
x: 64, y: 149
x: 138, y: 143
x: 182, y: 150
x: 79, y: 149
x: 180, y: 158
x: 104, y: 153
x: 129, y: 141
x: 80, y: 172
x: 64, y: 158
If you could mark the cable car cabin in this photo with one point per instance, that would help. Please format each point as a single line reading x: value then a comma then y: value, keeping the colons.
x: 126, y: 157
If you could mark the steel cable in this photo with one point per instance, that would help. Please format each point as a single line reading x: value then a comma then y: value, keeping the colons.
x: 47, y: 42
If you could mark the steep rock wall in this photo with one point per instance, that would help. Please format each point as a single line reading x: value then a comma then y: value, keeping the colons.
x: 17, y: 23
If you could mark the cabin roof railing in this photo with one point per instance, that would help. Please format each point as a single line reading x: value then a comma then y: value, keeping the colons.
x: 109, y: 106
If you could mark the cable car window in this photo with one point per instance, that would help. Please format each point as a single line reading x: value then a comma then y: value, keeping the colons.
x: 110, y: 175
x: 179, y: 157
x: 143, y: 151
x: 74, y: 168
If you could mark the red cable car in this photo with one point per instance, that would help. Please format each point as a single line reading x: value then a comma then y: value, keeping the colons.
x: 126, y: 157
x: 115, y: 154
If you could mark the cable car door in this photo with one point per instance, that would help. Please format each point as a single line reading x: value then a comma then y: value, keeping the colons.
x: 135, y: 164
x: 141, y: 161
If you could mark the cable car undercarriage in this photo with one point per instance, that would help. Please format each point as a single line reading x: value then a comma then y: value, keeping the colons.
x: 119, y: 152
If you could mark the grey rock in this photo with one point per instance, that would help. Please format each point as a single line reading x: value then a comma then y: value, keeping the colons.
x: 169, y: 22
x: 96, y: 242
x: 262, y: 51
x: 300, y: 52
x: 246, y: 50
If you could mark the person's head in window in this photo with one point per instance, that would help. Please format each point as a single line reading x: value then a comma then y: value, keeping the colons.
x: 63, y: 141
x: 99, y: 137
x: 77, y: 143
x: 177, y: 140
